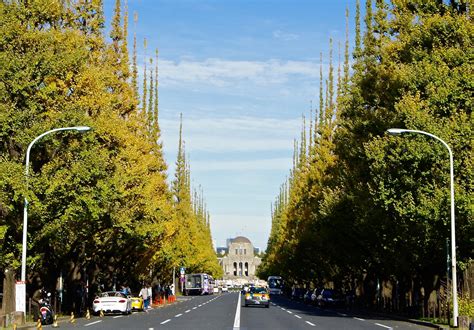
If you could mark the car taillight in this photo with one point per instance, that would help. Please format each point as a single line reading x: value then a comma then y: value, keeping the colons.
x: 96, y: 301
x: 122, y: 301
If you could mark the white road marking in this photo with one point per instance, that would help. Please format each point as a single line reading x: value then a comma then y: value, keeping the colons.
x: 383, y: 326
x: 188, y: 311
x: 151, y: 328
x: 356, y: 318
x: 311, y: 324
x: 118, y: 316
x: 194, y: 307
x: 178, y: 315
x: 341, y: 314
x: 199, y: 305
x: 164, y: 322
x: 283, y: 309
x: 289, y: 312
x: 86, y: 325
x: 237, y: 315
x: 297, y: 316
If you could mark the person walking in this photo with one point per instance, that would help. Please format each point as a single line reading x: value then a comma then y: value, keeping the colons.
x: 150, y: 296
x: 144, y: 294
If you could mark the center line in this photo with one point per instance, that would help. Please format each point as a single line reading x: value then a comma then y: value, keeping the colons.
x: 297, y: 316
x: 237, y: 315
x: 178, y: 315
x: 311, y: 324
x: 384, y: 326
x: 86, y: 325
x: 116, y: 317
x: 194, y: 307
x: 290, y: 312
x: 358, y: 319
x: 164, y: 322
x: 188, y: 311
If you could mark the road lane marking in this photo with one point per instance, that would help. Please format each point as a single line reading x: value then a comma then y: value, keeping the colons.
x: 297, y: 316
x: 290, y: 312
x: 164, y: 322
x: 199, y: 305
x: 178, y: 315
x: 383, y: 326
x: 283, y: 309
x: 92, y: 323
x: 194, y: 307
x: 188, y: 311
x: 356, y: 318
x: 341, y: 314
x: 237, y: 315
x: 116, y: 317
x: 311, y: 324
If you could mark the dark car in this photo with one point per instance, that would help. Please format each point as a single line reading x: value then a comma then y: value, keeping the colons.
x: 297, y: 294
x: 330, y: 298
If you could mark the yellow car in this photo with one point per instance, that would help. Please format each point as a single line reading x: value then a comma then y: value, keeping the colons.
x: 137, y: 304
x: 257, y: 296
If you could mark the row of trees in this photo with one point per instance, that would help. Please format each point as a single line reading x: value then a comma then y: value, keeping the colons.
x: 100, y: 205
x: 360, y: 206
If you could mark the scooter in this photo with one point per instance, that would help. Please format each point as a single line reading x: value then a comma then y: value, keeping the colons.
x: 46, y: 310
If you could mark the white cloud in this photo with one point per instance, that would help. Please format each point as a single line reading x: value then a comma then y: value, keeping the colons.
x: 278, y: 34
x: 280, y: 164
x: 220, y: 72
x: 231, y: 134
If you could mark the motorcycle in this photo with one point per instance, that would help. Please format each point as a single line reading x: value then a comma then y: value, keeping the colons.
x: 46, y: 310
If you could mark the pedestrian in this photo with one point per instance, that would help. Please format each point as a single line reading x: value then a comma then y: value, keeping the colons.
x: 144, y: 294
x: 36, y: 300
x: 150, y: 296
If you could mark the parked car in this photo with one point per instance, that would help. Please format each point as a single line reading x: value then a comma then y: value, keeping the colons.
x: 112, y: 302
x: 297, y: 294
x: 257, y: 296
x: 138, y: 304
x: 331, y: 298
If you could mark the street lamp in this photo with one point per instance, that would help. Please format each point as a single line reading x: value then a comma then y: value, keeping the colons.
x: 21, y: 292
x: 25, y: 209
x: 398, y: 131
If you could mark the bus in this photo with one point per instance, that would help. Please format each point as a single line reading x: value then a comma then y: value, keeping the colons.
x: 275, y: 284
x: 198, y: 284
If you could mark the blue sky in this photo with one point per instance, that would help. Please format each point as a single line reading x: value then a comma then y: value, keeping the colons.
x: 242, y: 73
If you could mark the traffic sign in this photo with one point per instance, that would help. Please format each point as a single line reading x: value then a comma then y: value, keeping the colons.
x: 181, y: 270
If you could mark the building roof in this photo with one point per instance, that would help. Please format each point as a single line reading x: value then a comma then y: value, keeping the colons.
x: 241, y: 239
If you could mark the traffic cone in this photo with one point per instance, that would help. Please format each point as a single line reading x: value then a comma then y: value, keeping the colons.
x: 88, y: 315
x: 101, y: 314
x: 39, y: 325
x: 55, y: 322
x: 72, y: 319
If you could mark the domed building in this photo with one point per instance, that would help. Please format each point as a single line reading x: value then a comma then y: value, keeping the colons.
x: 238, y: 259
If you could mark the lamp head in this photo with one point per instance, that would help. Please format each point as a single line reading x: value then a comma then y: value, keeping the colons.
x: 82, y: 128
x: 395, y: 131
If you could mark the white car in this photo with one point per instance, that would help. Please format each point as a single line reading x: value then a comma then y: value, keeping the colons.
x: 112, y: 302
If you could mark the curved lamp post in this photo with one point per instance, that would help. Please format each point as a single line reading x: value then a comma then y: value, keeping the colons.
x: 25, y: 209
x: 398, y: 131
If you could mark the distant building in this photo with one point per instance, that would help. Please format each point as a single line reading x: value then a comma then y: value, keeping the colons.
x: 238, y: 259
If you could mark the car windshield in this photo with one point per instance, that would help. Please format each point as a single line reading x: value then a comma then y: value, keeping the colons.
x: 258, y: 290
x: 112, y: 294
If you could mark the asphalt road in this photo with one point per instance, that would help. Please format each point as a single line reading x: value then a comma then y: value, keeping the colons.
x: 225, y: 311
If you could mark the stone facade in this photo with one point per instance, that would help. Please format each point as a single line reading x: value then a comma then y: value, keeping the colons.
x: 238, y: 259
